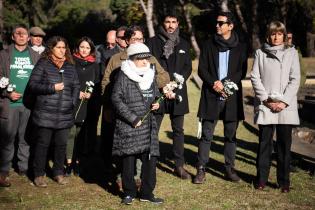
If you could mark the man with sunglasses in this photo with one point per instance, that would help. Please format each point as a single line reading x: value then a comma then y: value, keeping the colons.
x: 172, y: 52
x: 223, y: 57
x: 16, y: 63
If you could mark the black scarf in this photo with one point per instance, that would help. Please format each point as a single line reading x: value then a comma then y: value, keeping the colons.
x: 170, y: 39
x: 226, y: 44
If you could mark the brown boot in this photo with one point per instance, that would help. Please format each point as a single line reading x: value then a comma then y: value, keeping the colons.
x: 60, y: 179
x: 4, y: 181
x: 232, y: 175
x: 182, y: 173
x: 40, y: 182
x: 200, y: 178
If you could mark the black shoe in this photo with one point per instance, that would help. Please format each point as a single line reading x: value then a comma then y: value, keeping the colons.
x: 76, y: 169
x: 22, y: 173
x: 127, y: 200
x: 68, y: 170
x: 153, y: 200
x: 232, y: 175
x: 293, y: 168
x: 260, y: 186
x: 201, y: 175
x: 285, y: 189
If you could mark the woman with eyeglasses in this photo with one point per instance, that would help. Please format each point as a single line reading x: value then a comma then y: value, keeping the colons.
x: 88, y: 71
x: 55, y: 84
x: 275, y: 77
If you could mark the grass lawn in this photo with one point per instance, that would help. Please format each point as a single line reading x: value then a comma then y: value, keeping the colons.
x: 92, y: 191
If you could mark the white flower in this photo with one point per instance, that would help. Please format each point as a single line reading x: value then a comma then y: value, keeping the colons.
x: 179, y: 98
x: 229, y: 87
x: 89, y: 89
x: 179, y: 78
x: 4, y: 82
x: 89, y: 83
x: 11, y: 88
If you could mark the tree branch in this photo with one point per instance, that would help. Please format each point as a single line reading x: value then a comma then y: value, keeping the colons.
x: 143, y: 7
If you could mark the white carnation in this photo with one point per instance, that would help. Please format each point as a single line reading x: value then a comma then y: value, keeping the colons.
x: 4, y: 82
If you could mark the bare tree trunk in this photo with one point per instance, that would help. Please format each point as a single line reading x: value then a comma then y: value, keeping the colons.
x: 255, y: 38
x: 283, y: 5
x: 1, y: 20
x: 240, y: 15
x: 148, y: 11
x: 224, y: 6
x: 190, y: 29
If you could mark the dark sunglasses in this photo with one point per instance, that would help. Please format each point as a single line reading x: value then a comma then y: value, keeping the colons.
x: 221, y: 23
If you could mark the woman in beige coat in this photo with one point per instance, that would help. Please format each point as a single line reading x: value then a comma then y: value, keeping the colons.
x: 275, y: 78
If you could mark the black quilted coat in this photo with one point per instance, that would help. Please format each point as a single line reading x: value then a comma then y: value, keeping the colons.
x: 129, y: 107
x: 87, y: 71
x: 54, y: 109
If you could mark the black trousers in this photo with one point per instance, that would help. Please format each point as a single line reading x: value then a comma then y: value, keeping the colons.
x: 177, y: 122
x: 208, y: 127
x: 283, y: 145
x: 107, y: 134
x: 44, y: 136
x: 148, y: 175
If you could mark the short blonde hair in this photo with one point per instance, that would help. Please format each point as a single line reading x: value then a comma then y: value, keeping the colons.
x: 276, y: 26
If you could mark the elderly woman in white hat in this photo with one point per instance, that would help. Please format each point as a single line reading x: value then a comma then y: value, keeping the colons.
x: 134, y: 93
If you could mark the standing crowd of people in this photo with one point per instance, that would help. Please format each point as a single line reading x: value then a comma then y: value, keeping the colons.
x: 53, y: 109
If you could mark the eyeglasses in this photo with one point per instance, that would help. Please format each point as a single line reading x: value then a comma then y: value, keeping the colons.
x: 221, y: 23
x: 137, y: 39
x: 120, y: 37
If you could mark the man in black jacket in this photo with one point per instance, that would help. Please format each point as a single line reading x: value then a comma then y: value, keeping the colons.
x: 16, y: 64
x: 172, y: 52
x: 222, y: 58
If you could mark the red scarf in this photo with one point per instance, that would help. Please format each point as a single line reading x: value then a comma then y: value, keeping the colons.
x: 89, y: 58
x: 58, y: 61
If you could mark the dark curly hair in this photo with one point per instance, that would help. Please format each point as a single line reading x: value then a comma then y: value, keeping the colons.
x: 51, y: 43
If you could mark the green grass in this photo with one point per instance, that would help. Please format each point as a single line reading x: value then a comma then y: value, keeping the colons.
x: 92, y: 192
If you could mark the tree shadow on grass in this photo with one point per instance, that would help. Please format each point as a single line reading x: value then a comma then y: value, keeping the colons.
x: 94, y: 171
x: 214, y: 167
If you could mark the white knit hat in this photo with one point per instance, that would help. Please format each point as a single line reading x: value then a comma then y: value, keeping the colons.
x: 138, y: 50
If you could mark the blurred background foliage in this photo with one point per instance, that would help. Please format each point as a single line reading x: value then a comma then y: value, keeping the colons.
x: 75, y: 18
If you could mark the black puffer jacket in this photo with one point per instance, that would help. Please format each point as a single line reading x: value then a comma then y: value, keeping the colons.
x: 54, y: 109
x: 129, y: 107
